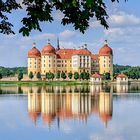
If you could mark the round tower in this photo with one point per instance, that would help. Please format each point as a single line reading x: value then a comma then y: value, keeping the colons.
x: 48, y: 58
x: 106, y: 60
x: 34, y: 60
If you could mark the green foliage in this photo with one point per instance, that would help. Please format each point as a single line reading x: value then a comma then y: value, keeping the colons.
x: 38, y: 76
x: 133, y: 72
x: 31, y: 76
x: 70, y: 75
x: 50, y: 75
x: 58, y: 75
x: 41, y: 11
x: 12, y: 71
x: 119, y: 68
x: 20, y: 76
x: 106, y: 76
x: 63, y: 75
x: 84, y: 76
x: 0, y: 76
x: 76, y: 75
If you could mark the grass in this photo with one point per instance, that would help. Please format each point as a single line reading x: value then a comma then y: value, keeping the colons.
x: 55, y: 83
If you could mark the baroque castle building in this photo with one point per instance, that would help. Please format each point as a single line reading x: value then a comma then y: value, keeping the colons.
x: 58, y: 59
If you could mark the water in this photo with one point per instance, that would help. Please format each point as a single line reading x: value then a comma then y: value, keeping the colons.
x: 70, y: 113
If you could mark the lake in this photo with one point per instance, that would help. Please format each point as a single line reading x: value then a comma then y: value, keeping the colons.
x: 70, y: 112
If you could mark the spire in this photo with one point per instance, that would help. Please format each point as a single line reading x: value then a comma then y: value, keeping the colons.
x: 58, y: 47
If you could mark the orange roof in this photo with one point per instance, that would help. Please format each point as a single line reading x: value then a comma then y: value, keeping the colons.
x: 34, y: 52
x: 68, y: 53
x: 65, y: 53
x: 121, y: 75
x: 96, y: 75
x: 82, y: 52
x: 48, y: 50
x: 95, y: 56
x: 105, y: 51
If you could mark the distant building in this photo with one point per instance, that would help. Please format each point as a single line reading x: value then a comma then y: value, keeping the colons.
x: 122, y: 79
x: 96, y: 79
x: 70, y: 60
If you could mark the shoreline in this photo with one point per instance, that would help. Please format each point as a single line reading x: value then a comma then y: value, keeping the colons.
x: 59, y: 83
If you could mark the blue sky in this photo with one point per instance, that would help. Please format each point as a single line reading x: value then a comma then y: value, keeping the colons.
x: 123, y: 36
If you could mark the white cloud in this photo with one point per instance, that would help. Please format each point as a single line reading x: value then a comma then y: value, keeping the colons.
x: 123, y: 19
x: 67, y: 34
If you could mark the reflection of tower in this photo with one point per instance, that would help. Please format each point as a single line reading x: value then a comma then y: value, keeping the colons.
x: 34, y: 105
x: 48, y: 107
x: 105, y: 106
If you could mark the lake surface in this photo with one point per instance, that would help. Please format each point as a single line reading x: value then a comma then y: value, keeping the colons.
x: 70, y: 112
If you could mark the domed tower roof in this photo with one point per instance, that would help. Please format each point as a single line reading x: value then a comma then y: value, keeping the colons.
x: 105, y: 50
x: 48, y: 49
x: 34, y: 52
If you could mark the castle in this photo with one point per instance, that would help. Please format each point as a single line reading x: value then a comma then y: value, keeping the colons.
x: 80, y: 60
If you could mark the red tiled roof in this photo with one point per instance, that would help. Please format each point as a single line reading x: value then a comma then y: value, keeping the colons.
x: 82, y: 52
x: 105, y: 51
x: 65, y: 53
x: 48, y: 50
x: 68, y: 53
x: 121, y: 75
x: 34, y: 52
x: 95, y: 56
x: 96, y: 75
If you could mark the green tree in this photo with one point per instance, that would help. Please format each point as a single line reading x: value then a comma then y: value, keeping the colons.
x: 38, y: 76
x: 20, y: 76
x: 0, y: 76
x: 70, y: 75
x: 76, y: 75
x: 58, y: 75
x: 87, y: 76
x: 106, y: 76
x: 63, y: 75
x: 31, y: 76
x: 42, y: 11
x: 47, y: 75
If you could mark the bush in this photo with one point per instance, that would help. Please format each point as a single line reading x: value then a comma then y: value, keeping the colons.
x: 38, y: 76
x: 31, y: 76
x: 20, y: 76
x: 76, y: 75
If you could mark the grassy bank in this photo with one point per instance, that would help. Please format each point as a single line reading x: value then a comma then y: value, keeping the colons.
x: 55, y: 83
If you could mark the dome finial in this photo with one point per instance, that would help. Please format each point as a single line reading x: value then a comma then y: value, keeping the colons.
x: 106, y: 41
x: 34, y: 44
x: 48, y: 41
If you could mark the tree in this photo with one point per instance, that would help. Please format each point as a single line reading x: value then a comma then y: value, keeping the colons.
x: 70, y: 75
x: 20, y: 76
x: 0, y: 76
x: 41, y: 11
x: 31, y: 76
x: 63, y: 75
x: 38, y: 76
x: 58, y: 75
x: 76, y: 75
x: 106, y: 76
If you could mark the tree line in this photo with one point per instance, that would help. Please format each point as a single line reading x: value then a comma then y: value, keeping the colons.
x: 62, y: 75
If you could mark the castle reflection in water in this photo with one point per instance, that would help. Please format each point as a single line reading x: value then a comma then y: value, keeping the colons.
x: 54, y: 104
x: 69, y: 103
